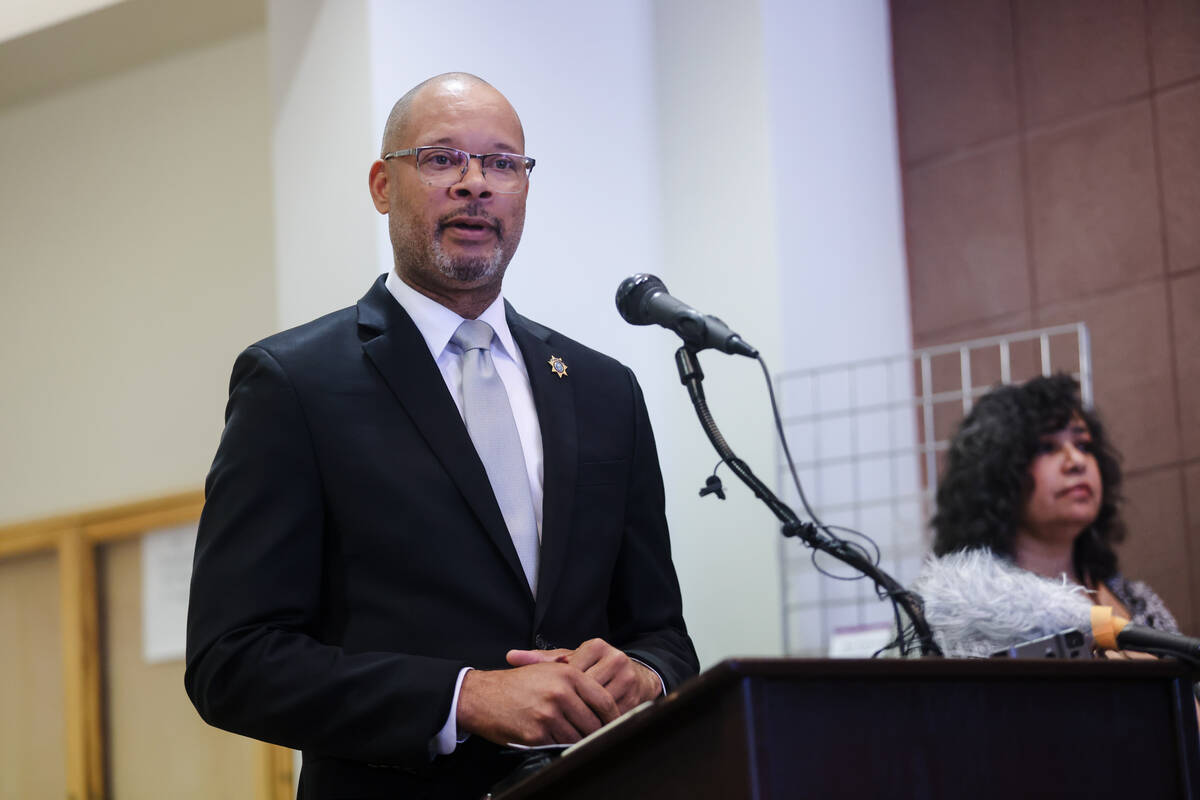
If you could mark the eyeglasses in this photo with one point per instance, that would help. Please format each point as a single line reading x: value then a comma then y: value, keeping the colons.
x: 506, y: 173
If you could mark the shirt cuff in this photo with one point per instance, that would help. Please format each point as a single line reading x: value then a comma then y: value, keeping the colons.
x: 661, y: 682
x: 446, y: 740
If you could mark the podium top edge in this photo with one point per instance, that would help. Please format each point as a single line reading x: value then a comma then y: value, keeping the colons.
x: 925, y: 668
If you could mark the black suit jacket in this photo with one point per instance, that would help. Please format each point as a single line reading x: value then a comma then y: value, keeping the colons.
x: 352, y: 558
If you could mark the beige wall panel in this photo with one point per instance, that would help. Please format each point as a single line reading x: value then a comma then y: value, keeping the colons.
x: 135, y: 217
x: 32, y: 733
x: 157, y: 744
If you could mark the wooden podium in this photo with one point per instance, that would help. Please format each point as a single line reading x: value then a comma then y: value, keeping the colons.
x: 781, y: 728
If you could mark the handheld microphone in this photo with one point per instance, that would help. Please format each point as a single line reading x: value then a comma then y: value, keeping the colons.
x: 642, y: 299
x: 1118, y: 633
x: 978, y: 604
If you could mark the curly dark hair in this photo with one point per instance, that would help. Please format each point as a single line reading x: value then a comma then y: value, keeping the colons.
x: 986, y: 483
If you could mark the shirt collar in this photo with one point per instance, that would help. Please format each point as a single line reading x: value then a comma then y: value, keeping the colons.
x: 438, y: 323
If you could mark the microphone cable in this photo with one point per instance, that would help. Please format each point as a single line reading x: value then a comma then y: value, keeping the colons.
x: 847, y: 551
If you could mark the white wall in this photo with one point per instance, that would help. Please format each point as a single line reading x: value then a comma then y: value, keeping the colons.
x: 719, y: 228
x: 836, y: 187
x: 843, y: 290
x: 136, y: 263
x: 577, y: 76
x: 322, y: 147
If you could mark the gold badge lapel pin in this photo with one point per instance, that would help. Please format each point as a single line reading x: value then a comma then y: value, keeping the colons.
x: 558, y: 366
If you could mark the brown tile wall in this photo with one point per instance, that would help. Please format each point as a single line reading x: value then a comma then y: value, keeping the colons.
x: 1051, y: 164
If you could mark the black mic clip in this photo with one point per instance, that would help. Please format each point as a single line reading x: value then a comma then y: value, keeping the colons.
x: 805, y: 531
x: 713, y: 486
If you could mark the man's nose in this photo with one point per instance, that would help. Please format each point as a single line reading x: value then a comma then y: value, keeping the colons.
x: 473, y: 181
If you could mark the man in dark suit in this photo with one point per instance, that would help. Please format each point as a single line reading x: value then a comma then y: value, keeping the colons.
x: 366, y: 587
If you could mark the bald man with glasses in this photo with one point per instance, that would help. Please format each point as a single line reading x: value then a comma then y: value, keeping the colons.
x: 433, y: 527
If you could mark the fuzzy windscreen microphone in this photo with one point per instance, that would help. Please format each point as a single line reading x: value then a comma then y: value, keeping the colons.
x: 977, y: 603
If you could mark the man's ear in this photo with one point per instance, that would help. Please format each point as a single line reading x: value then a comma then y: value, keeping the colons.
x: 378, y: 183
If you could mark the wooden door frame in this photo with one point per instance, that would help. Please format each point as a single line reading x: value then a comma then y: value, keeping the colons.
x: 74, y: 539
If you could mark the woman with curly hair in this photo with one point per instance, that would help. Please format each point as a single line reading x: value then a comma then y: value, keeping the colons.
x: 1032, y: 477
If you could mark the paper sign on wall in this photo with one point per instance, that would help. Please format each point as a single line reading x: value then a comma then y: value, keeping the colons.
x: 166, y: 576
x: 860, y: 641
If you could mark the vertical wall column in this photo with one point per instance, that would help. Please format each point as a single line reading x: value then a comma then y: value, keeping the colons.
x: 322, y: 145
x: 836, y: 171
x: 720, y: 255
x: 783, y: 216
x: 843, y: 290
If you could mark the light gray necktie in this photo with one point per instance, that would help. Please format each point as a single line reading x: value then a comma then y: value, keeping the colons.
x: 490, y: 422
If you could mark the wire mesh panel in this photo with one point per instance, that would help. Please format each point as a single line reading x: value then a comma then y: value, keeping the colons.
x: 869, y: 439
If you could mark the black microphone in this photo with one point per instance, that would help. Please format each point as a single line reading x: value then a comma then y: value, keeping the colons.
x: 643, y: 300
x: 1118, y: 633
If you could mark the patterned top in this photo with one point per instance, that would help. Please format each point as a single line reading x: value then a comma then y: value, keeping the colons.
x: 1145, y: 607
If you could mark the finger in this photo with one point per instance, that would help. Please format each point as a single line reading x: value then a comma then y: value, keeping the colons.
x: 610, y: 668
x: 630, y: 699
x: 563, y: 730
x: 549, y: 726
x: 597, y: 698
x: 523, y: 658
x: 580, y: 716
x: 626, y: 693
x: 588, y: 654
x: 634, y: 684
x: 628, y: 704
x: 580, y: 719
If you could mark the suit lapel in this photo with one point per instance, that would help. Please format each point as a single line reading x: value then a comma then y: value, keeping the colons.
x: 554, y: 398
x: 394, y: 345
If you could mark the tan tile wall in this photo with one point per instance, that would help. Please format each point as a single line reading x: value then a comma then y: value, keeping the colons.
x: 1051, y: 162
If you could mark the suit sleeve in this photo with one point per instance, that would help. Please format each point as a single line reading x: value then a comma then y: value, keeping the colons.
x: 255, y: 662
x: 645, y: 608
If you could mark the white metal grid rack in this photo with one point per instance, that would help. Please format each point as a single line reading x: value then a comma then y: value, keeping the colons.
x: 868, y: 438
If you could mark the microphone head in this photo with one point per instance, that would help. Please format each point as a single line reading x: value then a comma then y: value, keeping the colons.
x: 978, y: 603
x: 632, y: 294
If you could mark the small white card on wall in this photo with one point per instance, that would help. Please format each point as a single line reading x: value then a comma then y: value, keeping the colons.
x: 166, y: 577
x: 860, y: 641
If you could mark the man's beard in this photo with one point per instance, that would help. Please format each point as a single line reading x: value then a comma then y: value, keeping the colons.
x: 417, y: 251
x: 468, y: 269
